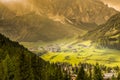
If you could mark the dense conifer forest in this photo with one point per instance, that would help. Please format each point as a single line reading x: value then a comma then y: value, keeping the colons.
x: 17, y: 63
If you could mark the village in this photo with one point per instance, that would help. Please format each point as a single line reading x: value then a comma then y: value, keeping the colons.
x: 61, y: 48
x: 72, y: 71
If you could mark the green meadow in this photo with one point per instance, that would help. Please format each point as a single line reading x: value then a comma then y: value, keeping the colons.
x: 88, y: 54
x: 105, y: 56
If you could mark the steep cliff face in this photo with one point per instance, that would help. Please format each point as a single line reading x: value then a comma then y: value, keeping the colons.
x: 72, y: 11
x: 90, y: 11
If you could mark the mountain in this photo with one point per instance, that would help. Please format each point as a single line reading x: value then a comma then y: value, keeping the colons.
x: 107, y: 34
x: 76, y: 11
x: 17, y: 63
x: 51, y: 20
x: 32, y: 27
x: 5, y: 13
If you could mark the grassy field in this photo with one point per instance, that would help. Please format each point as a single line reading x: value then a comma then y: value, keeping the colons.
x: 108, y: 57
x: 84, y: 54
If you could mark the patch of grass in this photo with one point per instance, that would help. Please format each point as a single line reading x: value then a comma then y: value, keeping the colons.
x: 53, y: 57
x: 108, y: 57
x: 67, y: 57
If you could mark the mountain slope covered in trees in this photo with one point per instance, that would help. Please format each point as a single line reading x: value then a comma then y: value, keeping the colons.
x: 17, y: 63
x: 108, y: 35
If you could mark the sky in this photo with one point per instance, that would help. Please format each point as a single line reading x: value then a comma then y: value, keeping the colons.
x: 8, y: 1
x: 113, y: 3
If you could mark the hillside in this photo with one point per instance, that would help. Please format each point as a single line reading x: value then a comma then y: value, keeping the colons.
x: 17, y: 63
x: 108, y: 34
x: 49, y: 21
x: 5, y: 13
x: 76, y: 11
x: 32, y: 28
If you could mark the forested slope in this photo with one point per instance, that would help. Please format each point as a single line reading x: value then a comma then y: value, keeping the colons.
x: 108, y: 35
x: 17, y: 63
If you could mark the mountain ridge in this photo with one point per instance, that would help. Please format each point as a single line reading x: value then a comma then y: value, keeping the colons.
x: 76, y: 10
x: 108, y: 34
x: 35, y: 28
x: 51, y: 21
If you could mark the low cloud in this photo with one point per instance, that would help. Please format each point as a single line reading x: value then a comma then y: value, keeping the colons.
x: 113, y: 3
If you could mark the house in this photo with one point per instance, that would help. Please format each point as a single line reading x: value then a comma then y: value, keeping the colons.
x: 69, y: 47
x: 40, y: 48
x: 73, y: 77
x: 83, y: 46
x: 53, y: 48
x: 74, y: 50
x: 108, y: 76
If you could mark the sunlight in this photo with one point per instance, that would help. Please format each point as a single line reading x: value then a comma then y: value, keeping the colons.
x: 9, y: 1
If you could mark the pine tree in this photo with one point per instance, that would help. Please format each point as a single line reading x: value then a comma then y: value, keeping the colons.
x: 82, y: 75
x: 8, y: 68
x: 1, y: 71
x: 114, y: 78
x: 24, y: 67
x: 90, y: 74
x: 118, y: 77
x: 97, y: 73
x: 66, y: 76
x: 17, y: 63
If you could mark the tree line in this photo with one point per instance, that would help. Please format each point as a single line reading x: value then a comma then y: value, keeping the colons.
x: 17, y: 63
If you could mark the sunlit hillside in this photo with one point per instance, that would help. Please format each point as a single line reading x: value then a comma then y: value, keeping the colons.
x: 84, y: 52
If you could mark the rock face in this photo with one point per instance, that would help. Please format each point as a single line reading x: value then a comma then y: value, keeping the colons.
x: 72, y: 11
x: 76, y: 11
x: 50, y: 20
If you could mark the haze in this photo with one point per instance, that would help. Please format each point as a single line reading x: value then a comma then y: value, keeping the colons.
x: 113, y: 3
x: 9, y: 1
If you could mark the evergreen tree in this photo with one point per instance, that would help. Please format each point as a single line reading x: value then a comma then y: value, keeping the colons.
x: 1, y: 71
x: 90, y: 74
x: 114, y: 78
x: 118, y: 77
x: 8, y: 68
x: 66, y: 76
x: 82, y: 75
x: 97, y: 73
x: 17, y: 63
x: 25, y: 71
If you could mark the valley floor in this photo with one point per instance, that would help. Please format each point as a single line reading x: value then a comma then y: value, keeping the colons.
x: 75, y: 52
x: 108, y: 57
